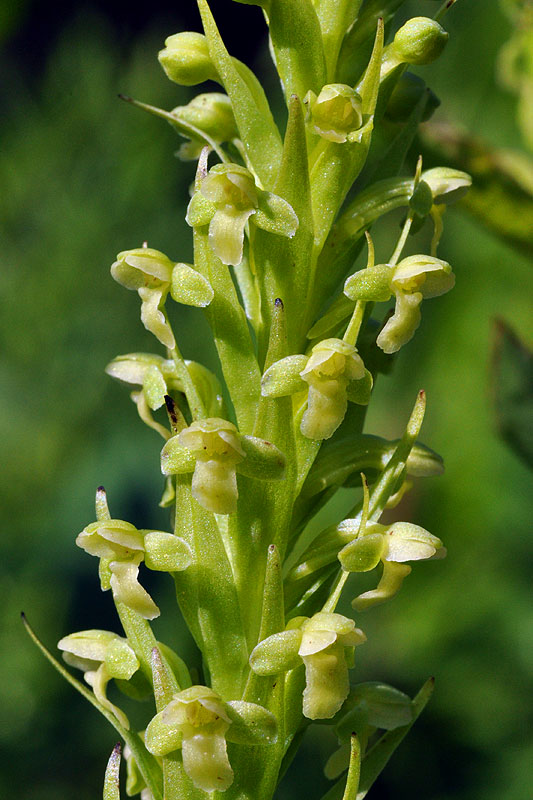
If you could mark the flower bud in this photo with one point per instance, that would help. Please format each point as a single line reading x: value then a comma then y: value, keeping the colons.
x: 212, y: 113
x: 420, y: 41
x: 336, y: 113
x: 186, y: 59
x: 405, y: 96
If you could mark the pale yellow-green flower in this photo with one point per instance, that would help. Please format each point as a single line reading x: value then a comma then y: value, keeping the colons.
x: 121, y: 548
x: 393, y: 545
x: 413, y: 279
x: 227, y: 198
x: 214, y: 451
x: 198, y: 722
x: 325, y: 644
x: 332, y: 375
x: 101, y: 655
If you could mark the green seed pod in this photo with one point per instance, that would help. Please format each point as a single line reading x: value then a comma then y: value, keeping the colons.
x: 186, y: 59
x: 420, y: 41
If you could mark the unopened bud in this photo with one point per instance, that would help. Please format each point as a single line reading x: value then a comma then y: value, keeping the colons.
x: 211, y: 113
x: 420, y: 41
x: 186, y: 59
x: 405, y: 96
x: 336, y: 113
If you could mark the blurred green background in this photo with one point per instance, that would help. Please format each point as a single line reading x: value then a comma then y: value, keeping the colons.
x: 84, y: 176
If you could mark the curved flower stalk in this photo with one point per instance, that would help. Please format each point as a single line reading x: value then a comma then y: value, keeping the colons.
x: 227, y: 198
x: 249, y: 461
x: 325, y: 644
x: 413, y: 279
x: 214, y: 451
x: 334, y: 374
x: 199, y: 723
x: 121, y: 548
x: 102, y: 656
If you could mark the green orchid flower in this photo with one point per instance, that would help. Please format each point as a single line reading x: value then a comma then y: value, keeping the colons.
x: 122, y: 548
x: 157, y: 377
x: 336, y: 114
x: 214, y: 451
x: 334, y: 374
x: 227, y: 198
x: 153, y: 275
x: 325, y: 644
x: 199, y: 723
x: 101, y: 655
x: 393, y: 545
x: 413, y: 279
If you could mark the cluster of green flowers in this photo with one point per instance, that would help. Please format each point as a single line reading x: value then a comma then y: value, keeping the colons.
x: 299, y: 353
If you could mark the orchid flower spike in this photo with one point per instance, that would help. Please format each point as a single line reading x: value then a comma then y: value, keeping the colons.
x: 411, y: 280
x: 392, y: 545
x: 214, y: 451
x: 227, y: 198
x: 325, y: 644
x: 334, y: 373
x: 101, y: 655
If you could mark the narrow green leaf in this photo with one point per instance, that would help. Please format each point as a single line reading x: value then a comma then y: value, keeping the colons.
x: 254, y: 119
x: 283, y: 264
x: 165, y: 683
x: 343, y: 244
x: 357, y: 43
x: 512, y: 388
x: 390, y: 478
x: 297, y: 44
x: 148, y: 766
x: 179, y: 124
x: 111, y: 778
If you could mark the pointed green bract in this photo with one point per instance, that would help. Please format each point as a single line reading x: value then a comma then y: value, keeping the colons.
x: 254, y: 120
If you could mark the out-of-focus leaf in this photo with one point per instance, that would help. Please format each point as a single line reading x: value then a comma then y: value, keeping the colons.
x: 501, y: 196
x: 512, y: 384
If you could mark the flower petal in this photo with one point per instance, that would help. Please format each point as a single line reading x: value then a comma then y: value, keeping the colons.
x: 127, y: 589
x: 226, y: 233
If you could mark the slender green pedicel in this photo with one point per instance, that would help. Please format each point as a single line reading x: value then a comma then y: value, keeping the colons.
x: 255, y: 447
